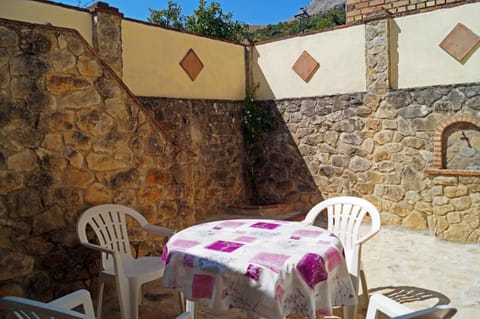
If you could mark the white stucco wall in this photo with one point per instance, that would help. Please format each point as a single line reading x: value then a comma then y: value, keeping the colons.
x: 421, y: 61
x: 151, y: 57
x: 43, y: 13
x: 340, y: 53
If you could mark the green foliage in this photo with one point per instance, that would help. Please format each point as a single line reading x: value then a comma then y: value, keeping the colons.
x: 168, y: 18
x: 313, y: 23
x: 256, y: 121
x: 205, y: 20
x: 211, y: 21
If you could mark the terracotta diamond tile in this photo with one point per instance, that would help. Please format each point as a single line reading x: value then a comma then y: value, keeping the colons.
x: 191, y: 64
x: 460, y: 42
x: 305, y: 66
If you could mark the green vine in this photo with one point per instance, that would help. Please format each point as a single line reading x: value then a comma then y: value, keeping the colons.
x: 257, y: 120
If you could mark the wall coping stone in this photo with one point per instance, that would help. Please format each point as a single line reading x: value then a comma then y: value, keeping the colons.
x: 104, y: 7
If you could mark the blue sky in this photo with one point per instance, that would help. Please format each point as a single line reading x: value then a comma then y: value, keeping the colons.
x: 248, y: 11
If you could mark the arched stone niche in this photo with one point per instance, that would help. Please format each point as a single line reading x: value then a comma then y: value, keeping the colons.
x: 456, y: 148
x: 455, y: 180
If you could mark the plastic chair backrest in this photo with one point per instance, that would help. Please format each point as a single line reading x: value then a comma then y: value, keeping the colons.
x: 345, y: 215
x: 24, y: 308
x: 396, y: 310
x: 109, y: 224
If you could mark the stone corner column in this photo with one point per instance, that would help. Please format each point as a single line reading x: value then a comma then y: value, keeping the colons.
x: 107, y: 34
x: 377, y: 51
x: 249, y: 46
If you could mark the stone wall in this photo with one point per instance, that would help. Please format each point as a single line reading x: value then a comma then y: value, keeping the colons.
x: 73, y: 136
x: 212, y: 130
x: 345, y: 144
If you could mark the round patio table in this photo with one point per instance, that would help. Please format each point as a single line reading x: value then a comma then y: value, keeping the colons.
x: 270, y: 268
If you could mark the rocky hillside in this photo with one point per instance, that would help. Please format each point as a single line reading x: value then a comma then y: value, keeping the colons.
x: 318, y: 6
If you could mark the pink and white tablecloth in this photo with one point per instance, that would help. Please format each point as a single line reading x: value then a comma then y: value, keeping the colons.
x: 270, y: 268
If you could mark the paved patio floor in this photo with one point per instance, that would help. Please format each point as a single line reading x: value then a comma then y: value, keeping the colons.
x: 413, y: 267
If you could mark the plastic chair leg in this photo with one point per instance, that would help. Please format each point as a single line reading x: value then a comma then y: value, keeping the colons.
x: 181, y: 296
x: 134, y: 295
x: 101, y: 286
x: 190, y: 307
x: 364, y: 297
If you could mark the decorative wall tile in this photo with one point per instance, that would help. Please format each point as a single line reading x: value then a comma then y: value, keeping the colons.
x: 191, y: 64
x: 305, y: 66
x: 460, y: 42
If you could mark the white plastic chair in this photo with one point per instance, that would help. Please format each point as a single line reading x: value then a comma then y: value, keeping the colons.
x: 345, y: 215
x: 185, y: 315
x: 391, y: 308
x: 129, y: 273
x: 60, y: 308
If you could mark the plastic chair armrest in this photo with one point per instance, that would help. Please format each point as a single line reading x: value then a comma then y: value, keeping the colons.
x: 168, y: 232
x: 77, y: 298
x: 365, y: 238
x: 390, y: 307
x: 99, y: 248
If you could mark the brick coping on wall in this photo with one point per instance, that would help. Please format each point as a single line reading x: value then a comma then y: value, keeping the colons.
x: 452, y: 172
x: 370, y: 9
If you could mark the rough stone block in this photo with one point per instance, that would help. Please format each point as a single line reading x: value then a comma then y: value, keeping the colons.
x: 97, y: 194
x: 62, y: 61
x: 103, y: 162
x: 461, y: 203
x: 454, y: 218
x: 50, y: 220
x: 30, y: 65
x: 455, y: 232
x: 58, y: 84
x: 8, y: 38
x: 77, y: 178
x: 415, y: 220
x: 67, y: 197
x: 359, y: 164
x: 445, y: 180
x: 443, y: 210
x: 455, y: 191
x: 94, y: 123
x: 10, y: 182
x: 23, y: 161
x: 14, y: 265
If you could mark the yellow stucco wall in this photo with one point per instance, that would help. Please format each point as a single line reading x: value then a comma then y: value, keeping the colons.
x: 340, y: 53
x: 420, y: 61
x: 43, y: 13
x: 151, y: 57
